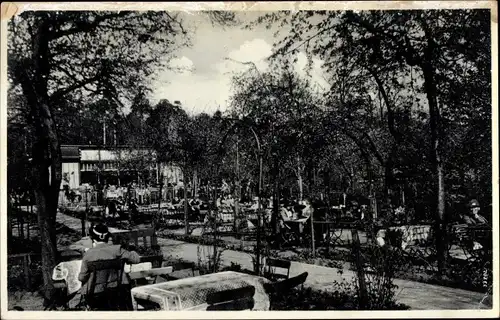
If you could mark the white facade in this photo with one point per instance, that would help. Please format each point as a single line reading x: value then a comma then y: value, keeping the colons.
x: 71, y: 174
x: 84, y: 161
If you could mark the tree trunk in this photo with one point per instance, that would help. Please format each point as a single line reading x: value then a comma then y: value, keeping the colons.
x: 431, y: 92
x: 47, y: 159
x: 46, y: 184
x: 195, y: 183
x: 388, y: 174
x: 186, y: 212
x: 276, y: 196
x: 299, y: 179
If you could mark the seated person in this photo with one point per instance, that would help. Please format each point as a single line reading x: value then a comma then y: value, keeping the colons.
x: 298, y: 210
x: 285, y: 213
x: 255, y: 205
x: 106, y: 282
x: 307, y: 209
x: 473, y: 218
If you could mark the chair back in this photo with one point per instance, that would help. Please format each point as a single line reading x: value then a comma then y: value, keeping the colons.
x: 148, y: 237
x: 185, y: 266
x: 233, y: 299
x: 103, y: 273
x: 272, y: 264
x: 104, y: 288
x: 285, y: 285
x: 182, y: 270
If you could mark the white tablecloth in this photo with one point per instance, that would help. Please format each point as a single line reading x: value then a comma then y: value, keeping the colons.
x: 411, y: 233
x: 191, y: 293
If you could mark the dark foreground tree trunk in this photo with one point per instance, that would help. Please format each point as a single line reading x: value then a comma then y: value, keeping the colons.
x: 46, y: 163
x: 431, y: 92
x: 46, y: 183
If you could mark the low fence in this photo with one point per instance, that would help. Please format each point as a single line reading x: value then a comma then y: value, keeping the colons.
x: 22, y: 222
x: 24, y: 271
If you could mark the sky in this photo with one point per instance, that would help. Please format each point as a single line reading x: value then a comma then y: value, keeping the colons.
x: 201, y: 74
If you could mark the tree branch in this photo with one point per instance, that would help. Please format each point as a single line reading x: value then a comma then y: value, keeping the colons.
x: 77, y: 85
x: 85, y: 26
x: 385, y: 96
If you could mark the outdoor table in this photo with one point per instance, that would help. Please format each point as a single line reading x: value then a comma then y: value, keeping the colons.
x: 411, y: 233
x: 68, y: 255
x: 328, y: 235
x: 297, y: 224
x: 191, y: 293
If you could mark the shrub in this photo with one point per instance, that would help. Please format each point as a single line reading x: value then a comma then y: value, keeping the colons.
x: 376, y: 267
x: 16, y: 276
x: 342, y: 296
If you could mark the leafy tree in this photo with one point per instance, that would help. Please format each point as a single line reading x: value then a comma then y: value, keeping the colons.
x: 420, y: 62
x: 56, y: 56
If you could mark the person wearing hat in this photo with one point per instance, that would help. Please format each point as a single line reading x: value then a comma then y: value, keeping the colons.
x: 103, y: 250
x: 473, y: 217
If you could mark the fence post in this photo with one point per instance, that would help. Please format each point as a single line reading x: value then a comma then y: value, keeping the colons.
x: 21, y: 224
x: 312, y: 236
x: 359, y: 269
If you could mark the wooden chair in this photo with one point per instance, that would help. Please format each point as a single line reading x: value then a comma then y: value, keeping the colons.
x: 156, y: 260
x: 284, y: 286
x: 59, y: 297
x: 102, y: 273
x: 149, y: 238
x: 272, y: 264
x: 233, y: 299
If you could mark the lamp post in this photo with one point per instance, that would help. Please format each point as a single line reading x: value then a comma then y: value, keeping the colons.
x: 259, y: 210
x: 241, y: 121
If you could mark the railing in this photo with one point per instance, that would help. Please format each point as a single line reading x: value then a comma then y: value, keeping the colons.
x: 23, y: 220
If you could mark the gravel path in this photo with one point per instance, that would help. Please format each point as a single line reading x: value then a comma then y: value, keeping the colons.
x: 419, y: 296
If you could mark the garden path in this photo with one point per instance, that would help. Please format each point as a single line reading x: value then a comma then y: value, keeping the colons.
x: 417, y: 295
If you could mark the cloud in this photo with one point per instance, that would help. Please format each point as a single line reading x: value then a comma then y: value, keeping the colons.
x: 255, y: 51
x: 197, y: 93
x: 182, y: 65
x: 205, y: 86
x: 316, y: 72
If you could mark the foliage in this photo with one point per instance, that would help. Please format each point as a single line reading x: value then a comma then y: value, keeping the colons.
x: 380, y: 266
x: 340, y: 296
x: 394, y: 80
x: 209, y: 257
x: 236, y: 267
x: 16, y: 276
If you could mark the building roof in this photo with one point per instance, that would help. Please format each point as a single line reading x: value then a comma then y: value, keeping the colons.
x: 115, y: 155
x: 70, y: 153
